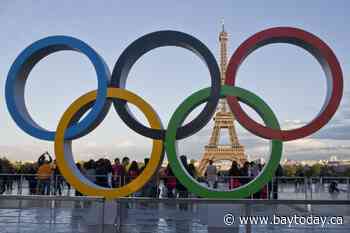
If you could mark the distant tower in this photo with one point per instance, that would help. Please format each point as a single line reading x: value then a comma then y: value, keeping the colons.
x: 223, y: 119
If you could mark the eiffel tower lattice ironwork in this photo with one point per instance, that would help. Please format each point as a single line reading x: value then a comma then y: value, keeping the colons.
x: 223, y: 119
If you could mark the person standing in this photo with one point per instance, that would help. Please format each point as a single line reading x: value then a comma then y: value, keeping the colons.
x: 170, y: 182
x: 44, y: 174
x: 182, y: 190
x: 102, y: 173
x: 90, y: 170
x: 192, y: 170
x: 57, y: 180
x: 274, y: 182
x: 254, y: 172
x: 125, y: 164
x: 245, y: 173
x: 211, y: 174
x: 30, y: 177
x: 150, y: 189
x: 117, y: 173
x: 108, y: 167
x: 234, y: 174
x: 133, y: 173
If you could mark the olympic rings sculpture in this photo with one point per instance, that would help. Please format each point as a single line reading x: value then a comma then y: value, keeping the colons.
x: 111, y: 89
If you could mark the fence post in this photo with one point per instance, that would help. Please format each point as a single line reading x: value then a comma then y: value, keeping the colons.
x: 305, y: 187
x: 52, y: 185
x: 54, y: 211
x: 311, y: 183
x: 103, y: 215
x: 52, y: 208
x: 20, y: 186
x: 20, y: 212
x: 348, y: 180
x: 118, y: 219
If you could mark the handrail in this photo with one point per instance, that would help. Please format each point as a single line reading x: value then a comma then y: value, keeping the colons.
x: 178, y: 200
x: 222, y: 176
x: 51, y: 198
x: 310, y: 187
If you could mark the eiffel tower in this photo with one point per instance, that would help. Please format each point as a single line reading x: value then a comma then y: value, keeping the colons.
x: 223, y: 119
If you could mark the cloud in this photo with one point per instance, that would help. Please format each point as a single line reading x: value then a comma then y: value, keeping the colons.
x: 304, y: 144
x: 339, y: 127
x: 24, y: 152
x: 336, y: 132
x: 125, y: 144
x: 293, y: 124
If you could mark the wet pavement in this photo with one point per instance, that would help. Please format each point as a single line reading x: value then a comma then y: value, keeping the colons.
x: 36, y: 216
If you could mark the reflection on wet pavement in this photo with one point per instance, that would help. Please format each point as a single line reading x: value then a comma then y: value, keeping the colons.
x: 72, y: 216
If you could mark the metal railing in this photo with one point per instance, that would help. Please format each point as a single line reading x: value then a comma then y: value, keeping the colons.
x: 307, y: 188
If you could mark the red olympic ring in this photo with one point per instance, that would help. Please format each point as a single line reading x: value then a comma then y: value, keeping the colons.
x: 319, y: 49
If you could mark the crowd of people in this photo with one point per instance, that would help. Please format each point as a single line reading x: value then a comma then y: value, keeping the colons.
x: 44, y: 177
x: 6, y: 181
x: 45, y: 173
x: 240, y: 175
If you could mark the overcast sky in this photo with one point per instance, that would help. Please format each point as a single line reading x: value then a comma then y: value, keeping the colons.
x: 288, y: 78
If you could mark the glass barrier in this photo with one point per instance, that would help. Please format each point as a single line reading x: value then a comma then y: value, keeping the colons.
x: 283, y: 188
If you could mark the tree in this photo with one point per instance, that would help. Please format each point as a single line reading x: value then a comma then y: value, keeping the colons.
x: 289, y: 170
x: 347, y: 172
x: 316, y: 169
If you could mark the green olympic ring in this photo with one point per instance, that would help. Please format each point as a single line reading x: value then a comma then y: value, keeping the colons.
x: 194, y: 101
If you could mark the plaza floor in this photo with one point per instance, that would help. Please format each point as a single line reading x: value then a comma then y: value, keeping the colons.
x: 36, y: 216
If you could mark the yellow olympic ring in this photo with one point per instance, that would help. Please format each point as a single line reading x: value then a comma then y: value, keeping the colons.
x: 64, y: 156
